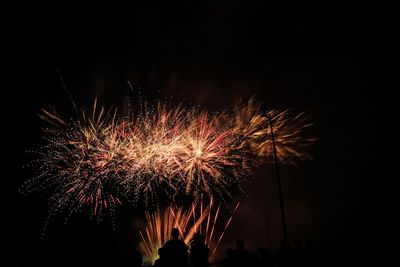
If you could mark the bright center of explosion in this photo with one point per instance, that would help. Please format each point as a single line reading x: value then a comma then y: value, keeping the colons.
x: 198, y: 153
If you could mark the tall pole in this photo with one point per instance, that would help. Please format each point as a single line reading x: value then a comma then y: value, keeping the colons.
x: 269, y: 243
x: 278, y: 178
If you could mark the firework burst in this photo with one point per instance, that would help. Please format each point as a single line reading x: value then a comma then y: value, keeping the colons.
x: 80, y: 163
x: 254, y: 126
x: 187, y: 150
x: 99, y: 160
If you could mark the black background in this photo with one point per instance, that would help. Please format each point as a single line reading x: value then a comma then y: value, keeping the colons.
x: 328, y: 58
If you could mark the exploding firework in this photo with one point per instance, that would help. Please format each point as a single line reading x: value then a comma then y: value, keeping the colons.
x: 187, y: 150
x: 100, y: 160
x: 80, y: 163
x: 193, y: 151
x: 199, y: 217
x: 255, y: 125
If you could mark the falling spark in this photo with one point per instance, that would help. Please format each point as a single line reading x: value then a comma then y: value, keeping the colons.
x: 226, y: 227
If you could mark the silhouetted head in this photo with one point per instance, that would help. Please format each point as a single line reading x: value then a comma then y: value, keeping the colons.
x: 325, y: 244
x: 229, y: 252
x: 175, y: 233
x: 285, y: 245
x: 240, y: 244
x: 262, y: 251
x: 310, y: 243
x: 298, y: 244
x: 160, y: 251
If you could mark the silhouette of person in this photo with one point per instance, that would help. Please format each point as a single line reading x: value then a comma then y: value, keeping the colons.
x: 310, y: 253
x: 266, y: 259
x: 161, y: 259
x: 199, y: 251
x: 283, y: 255
x: 175, y: 251
x: 242, y: 257
x: 298, y: 256
x: 228, y: 260
x: 327, y: 255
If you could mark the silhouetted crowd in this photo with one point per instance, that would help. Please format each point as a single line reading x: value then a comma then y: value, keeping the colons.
x: 175, y: 253
x: 298, y: 256
x: 121, y: 252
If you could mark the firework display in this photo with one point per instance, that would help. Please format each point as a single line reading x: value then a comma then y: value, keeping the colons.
x: 199, y: 217
x: 79, y: 163
x: 102, y: 159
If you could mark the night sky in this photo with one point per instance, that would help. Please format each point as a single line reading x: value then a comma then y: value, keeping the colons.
x: 326, y: 58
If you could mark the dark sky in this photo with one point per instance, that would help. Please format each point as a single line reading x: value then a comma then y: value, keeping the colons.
x: 324, y: 57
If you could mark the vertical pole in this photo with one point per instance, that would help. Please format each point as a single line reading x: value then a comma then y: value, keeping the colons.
x: 269, y: 243
x: 278, y: 178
